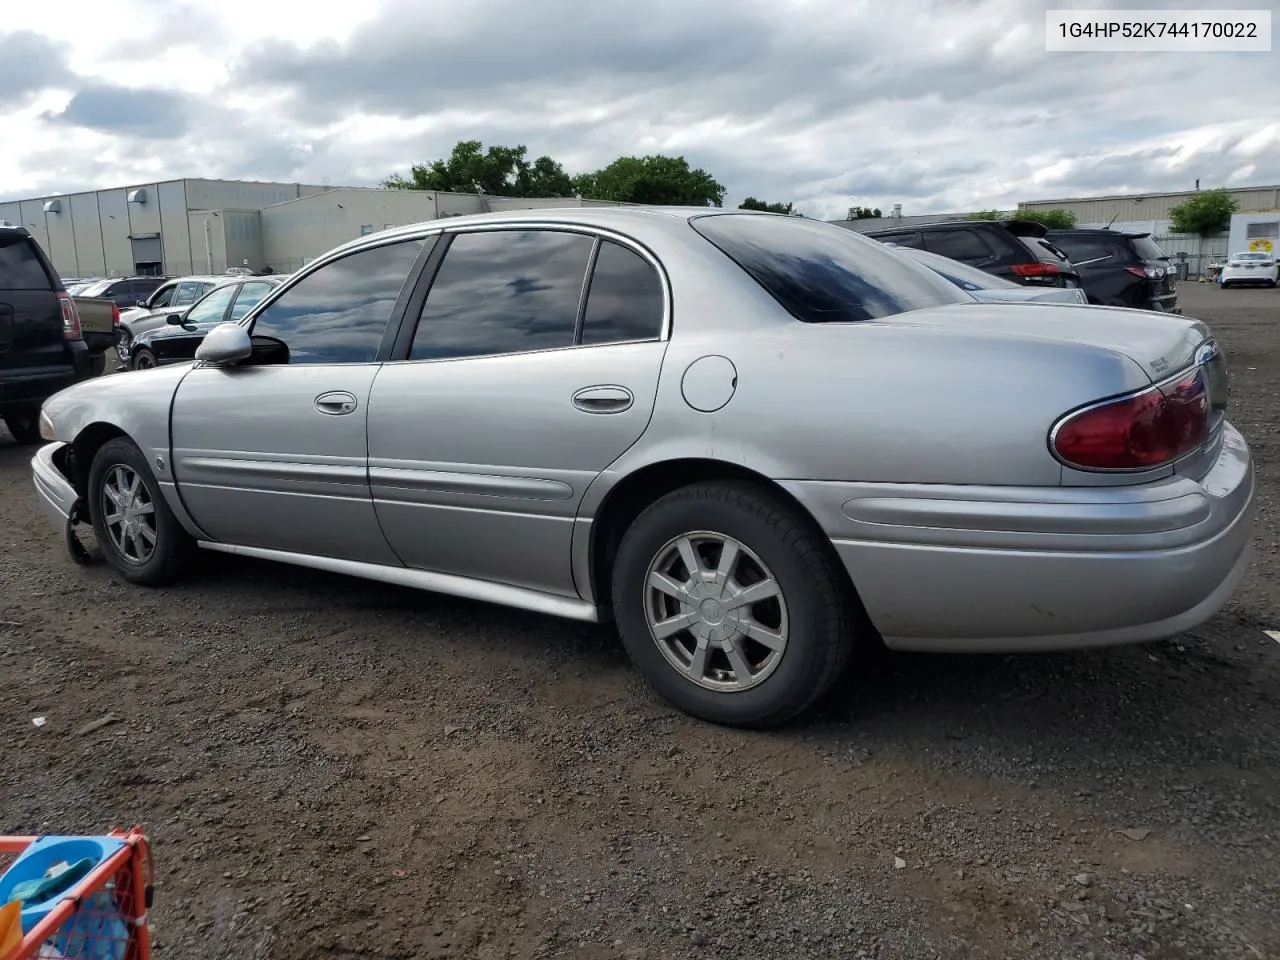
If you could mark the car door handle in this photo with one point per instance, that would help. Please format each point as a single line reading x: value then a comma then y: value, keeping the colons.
x: 336, y: 403
x: 603, y: 399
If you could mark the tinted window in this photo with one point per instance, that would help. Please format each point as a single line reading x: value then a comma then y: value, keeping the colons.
x: 164, y: 296
x: 212, y: 307
x: 624, y: 301
x: 249, y: 296
x: 957, y: 244
x: 189, y: 293
x: 961, y: 274
x: 902, y: 239
x: 20, y: 268
x: 504, y: 291
x: 1080, y: 249
x: 1147, y: 249
x: 339, y: 313
x: 823, y: 273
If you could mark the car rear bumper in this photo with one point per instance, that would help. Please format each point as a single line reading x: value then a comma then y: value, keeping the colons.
x: 27, y: 387
x: 1243, y: 276
x: 975, y: 569
x: 56, y: 494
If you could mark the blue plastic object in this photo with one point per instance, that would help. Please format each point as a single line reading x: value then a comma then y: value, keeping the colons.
x: 34, y: 863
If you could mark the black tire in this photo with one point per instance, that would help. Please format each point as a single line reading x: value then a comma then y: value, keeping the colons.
x: 820, y: 610
x: 123, y: 343
x: 143, y: 359
x: 24, y: 427
x: 173, y: 546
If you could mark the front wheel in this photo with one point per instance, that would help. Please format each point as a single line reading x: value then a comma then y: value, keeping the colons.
x: 143, y: 359
x: 731, y: 606
x: 123, y: 345
x: 139, y: 535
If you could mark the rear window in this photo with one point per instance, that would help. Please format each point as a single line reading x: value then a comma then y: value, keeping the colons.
x: 825, y: 274
x: 20, y: 267
x: 1148, y: 249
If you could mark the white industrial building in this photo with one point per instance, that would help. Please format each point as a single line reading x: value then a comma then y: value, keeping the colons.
x: 179, y: 227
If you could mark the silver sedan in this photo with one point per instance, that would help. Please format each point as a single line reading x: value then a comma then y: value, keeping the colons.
x: 755, y: 442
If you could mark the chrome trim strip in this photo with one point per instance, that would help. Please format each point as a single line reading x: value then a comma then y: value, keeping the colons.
x: 278, y: 469
x: 472, y: 484
x: 465, y: 587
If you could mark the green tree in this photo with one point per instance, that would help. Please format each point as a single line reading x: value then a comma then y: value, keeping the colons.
x: 864, y: 213
x: 1055, y: 219
x: 1205, y: 214
x: 654, y: 180
x: 751, y: 203
x: 500, y: 171
x: 988, y: 215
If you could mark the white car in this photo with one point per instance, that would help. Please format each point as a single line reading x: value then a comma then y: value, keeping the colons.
x: 986, y: 287
x: 1249, y: 267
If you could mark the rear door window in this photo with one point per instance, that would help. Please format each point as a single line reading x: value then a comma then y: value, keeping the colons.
x: 960, y: 245
x: 822, y: 273
x: 624, y: 301
x: 212, y: 308
x: 20, y: 267
x: 250, y: 295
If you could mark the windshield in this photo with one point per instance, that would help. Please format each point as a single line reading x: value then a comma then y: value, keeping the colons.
x: 822, y: 273
x: 1148, y: 249
x: 961, y: 274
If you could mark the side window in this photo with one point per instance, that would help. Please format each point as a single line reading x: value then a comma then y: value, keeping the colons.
x: 212, y: 307
x: 164, y: 296
x: 339, y: 313
x: 187, y: 293
x: 249, y: 296
x: 503, y: 291
x: 624, y: 301
x: 958, y: 244
x: 902, y: 239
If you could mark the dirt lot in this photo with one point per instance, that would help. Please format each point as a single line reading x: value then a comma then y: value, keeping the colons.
x: 338, y: 769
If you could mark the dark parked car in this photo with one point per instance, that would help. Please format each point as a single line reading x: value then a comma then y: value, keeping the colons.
x: 42, y: 349
x: 125, y: 291
x: 177, y: 339
x: 1016, y: 250
x: 1119, y: 269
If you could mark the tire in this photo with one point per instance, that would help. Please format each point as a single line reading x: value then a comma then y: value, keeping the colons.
x: 143, y: 359
x: 24, y: 427
x: 116, y: 463
x: 123, y: 344
x: 813, y: 612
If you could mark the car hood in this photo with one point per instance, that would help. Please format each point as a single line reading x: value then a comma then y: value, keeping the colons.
x: 1160, y: 343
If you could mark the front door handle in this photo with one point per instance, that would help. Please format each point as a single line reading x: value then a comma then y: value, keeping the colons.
x: 336, y: 403
x: 603, y: 399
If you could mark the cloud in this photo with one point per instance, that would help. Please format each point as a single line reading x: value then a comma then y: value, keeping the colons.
x: 29, y: 63
x: 935, y: 104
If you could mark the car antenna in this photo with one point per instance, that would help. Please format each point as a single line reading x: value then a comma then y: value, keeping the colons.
x: 1113, y: 219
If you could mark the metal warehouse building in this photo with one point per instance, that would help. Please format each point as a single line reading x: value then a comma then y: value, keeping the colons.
x: 1140, y: 207
x: 178, y: 227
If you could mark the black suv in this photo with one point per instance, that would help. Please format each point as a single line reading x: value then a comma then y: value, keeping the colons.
x: 41, y: 348
x: 125, y: 291
x: 1121, y: 269
x: 1016, y: 250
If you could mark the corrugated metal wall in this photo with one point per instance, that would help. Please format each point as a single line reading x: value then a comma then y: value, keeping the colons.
x: 1151, y: 206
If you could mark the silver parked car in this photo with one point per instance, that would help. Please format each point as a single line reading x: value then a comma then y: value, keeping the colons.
x: 749, y: 439
x: 153, y: 312
x: 985, y: 286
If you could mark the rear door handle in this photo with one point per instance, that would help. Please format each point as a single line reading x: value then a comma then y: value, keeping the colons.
x: 336, y: 403
x: 603, y: 399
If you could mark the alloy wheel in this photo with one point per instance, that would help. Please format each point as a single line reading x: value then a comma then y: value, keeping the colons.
x: 129, y: 514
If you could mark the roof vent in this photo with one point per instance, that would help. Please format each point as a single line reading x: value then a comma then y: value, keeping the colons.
x: 53, y: 206
x: 138, y: 196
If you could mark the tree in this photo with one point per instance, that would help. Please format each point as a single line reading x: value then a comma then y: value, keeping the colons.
x: 1205, y: 214
x: 751, y: 203
x: 1055, y: 219
x: 987, y: 215
x: 653, y: 180
x: 864, y: 213
x: 499, y: 171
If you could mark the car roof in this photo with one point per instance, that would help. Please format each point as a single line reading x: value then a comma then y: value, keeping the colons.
x: 1100, y: 231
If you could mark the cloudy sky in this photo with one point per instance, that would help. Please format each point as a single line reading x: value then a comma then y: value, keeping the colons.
x: 940, y: 105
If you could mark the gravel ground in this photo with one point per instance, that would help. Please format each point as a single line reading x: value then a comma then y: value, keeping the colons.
x: 330, y: 768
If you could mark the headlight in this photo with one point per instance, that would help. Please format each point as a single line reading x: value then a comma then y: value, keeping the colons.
x: 46, y: 427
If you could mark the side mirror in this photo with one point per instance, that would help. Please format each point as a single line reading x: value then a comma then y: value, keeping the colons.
x: 140, y: 303
x: 174, y: 318
x: 226, y: 343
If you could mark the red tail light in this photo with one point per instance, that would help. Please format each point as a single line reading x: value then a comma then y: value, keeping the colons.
x: 1137, y: 272
x: 115, y: 315
x: 1037, y: 269
x: 1139, y: 431
x: 70, y: 317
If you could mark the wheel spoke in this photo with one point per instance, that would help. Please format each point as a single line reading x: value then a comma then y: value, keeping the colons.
x: 144, y: 509
x: 690, y: 557
x: 133, y: 483
x: 148, y: 535
x: 698, y: 666
x: 764, y: 636
x: 111, y: 519
x: 737, y: 660
x: 673, y: 625
x: 764, y: 590
x: 664, y: 584
x: 728, y: 561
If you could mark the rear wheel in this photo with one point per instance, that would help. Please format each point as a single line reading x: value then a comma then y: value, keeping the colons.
x: 730, y: 605
x: 24, y: 426
x: 123, y: 344
x: 139, y: 535
x: 143, y: 359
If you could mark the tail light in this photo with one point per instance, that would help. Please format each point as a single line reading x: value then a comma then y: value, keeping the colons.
x: 115, y: 315
x: 1149, y: 273
x: 70, y: 317
x: 1037, y: 271
x: 1138, y: 431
